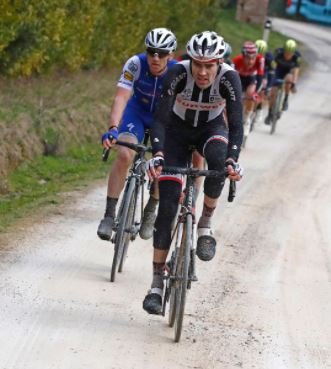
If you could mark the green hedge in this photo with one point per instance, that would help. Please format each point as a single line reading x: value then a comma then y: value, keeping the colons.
x: 37, y: 36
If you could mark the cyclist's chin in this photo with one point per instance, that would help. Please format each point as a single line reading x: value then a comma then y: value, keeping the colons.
x: 156, y: 69
x: 203, y: 84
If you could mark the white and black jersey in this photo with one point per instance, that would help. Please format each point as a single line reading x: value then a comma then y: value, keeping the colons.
x: 182, y: 97
x: 195, y: 105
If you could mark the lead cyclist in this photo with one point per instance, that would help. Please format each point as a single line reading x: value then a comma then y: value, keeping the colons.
x: 190, y: 112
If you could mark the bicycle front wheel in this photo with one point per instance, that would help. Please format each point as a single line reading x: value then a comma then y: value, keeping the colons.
x: 173, y: 285
x: 128, y: 226
x: 182, y: 277
x: 121, y: 231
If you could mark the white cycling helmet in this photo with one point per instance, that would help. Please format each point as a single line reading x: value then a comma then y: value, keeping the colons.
x: 206, y: 46
x: 162, y: 39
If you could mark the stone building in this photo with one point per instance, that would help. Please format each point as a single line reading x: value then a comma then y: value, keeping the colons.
x: 252, y: 11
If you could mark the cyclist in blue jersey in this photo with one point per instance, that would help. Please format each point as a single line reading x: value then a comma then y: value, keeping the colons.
x: 136, y: 97
x: 287, y: 60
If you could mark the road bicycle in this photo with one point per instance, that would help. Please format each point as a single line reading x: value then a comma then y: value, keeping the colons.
x: 250, y: 122
x: 129, y: 215
x: 181, y: 270
x: 277, y: 108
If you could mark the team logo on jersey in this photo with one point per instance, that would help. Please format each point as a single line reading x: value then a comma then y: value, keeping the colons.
x: 187, y: 94
x: 128, y: 76
x: 229, y: 87
x: 130, y: 127
x: 133, y: 67
x: 197, y: 105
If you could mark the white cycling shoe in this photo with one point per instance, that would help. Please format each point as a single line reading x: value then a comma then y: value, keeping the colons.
x: 206, y: 245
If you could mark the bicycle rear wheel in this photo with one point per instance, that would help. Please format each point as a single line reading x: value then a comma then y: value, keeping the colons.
x: 121, y: 234
x: 182, y: 277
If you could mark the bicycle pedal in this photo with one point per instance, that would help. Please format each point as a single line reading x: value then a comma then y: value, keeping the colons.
x: 194, y: 278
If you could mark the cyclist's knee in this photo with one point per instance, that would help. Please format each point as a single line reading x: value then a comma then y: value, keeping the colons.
x: 250, y: 91
x: 215, y: 152
x: 124, y: 156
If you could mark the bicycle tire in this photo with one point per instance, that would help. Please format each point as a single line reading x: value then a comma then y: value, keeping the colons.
x: 171, y: 287
x: 243, y: 145
x: 119, y: 237
x: 172, y: 293
x: 276, y: 110
x: 182, y: 270
x: 254, y: 115
x: 128, y: 225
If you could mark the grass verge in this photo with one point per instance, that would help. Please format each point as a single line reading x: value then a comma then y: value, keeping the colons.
x: 41, y: 182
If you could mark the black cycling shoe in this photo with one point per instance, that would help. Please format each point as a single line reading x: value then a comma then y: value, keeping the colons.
x: 153, y: 303
x: 267, y: 120
x: 206, y: 245
x: 105, y: 228
x: 285, y: 105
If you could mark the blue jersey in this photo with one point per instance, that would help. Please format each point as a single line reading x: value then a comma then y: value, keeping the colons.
x: 146, y: 87
x: 284, y: 66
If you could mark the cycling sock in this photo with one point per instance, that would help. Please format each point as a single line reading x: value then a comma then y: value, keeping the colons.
x: 158, y: 271
x: 247, y: 115
x: 205, y: 219
x: 286, y: 97
x: 110, y: 207
x: 151, y: 204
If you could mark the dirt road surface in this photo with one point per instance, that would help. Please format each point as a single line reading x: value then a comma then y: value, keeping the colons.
x: 263, y: 302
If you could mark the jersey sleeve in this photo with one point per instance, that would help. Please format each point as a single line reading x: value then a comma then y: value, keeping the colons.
x: 130, y: 73
x: 237, y: 62
x: 297, y: 59
x: 173, y: 84
x: 230, y: 89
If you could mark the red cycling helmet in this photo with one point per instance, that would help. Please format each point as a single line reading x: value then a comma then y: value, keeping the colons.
x: 249, y: 48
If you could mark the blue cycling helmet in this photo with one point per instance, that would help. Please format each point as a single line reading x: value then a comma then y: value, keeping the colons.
x: 228, y: 50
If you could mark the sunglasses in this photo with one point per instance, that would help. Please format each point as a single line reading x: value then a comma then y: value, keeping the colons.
x: 157, y: 52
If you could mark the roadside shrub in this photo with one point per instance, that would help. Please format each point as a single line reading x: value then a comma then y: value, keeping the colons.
x: 37, y: 36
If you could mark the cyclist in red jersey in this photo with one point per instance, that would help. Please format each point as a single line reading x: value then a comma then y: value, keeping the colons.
x: 250, y: 66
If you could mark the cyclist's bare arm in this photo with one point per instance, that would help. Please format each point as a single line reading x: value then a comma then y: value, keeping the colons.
x: 295, y: 74
x: 122, y: 97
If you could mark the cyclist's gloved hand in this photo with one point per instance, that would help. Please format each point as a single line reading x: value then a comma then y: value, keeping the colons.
x: 109, y: 137
x: 294, y: 88
x: 154, y: 166
x: 235, y: 170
